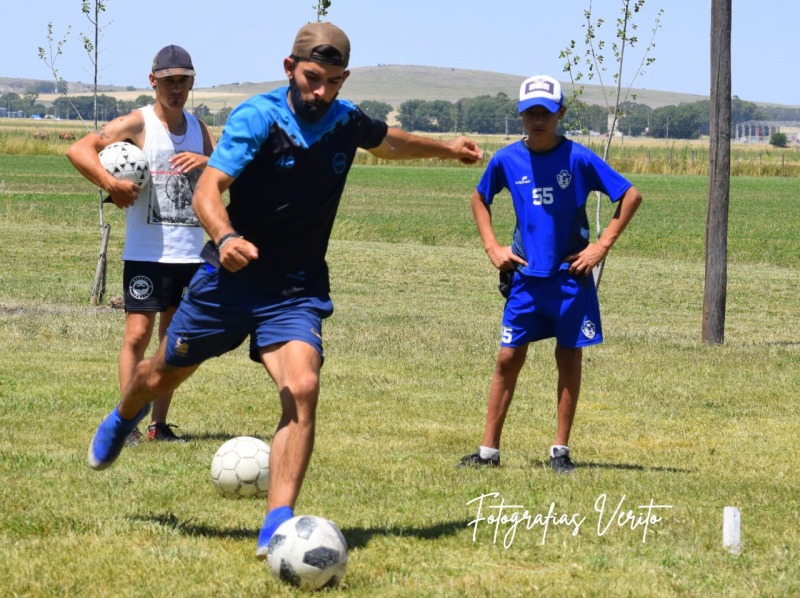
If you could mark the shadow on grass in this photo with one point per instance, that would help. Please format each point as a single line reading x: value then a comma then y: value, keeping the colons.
x: 629, y: 466
x: 188, y: 528
x: 357, y: 537
x: 223, y: 436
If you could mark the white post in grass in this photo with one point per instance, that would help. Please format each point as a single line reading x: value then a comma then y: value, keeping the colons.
x: 731, y: 530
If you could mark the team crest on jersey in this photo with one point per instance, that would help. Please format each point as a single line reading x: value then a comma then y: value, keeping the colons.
x: 339, y: 163
x: 140, y: 287
x: 563, y: 179
x: 285, y: 162
x: 589, y: 330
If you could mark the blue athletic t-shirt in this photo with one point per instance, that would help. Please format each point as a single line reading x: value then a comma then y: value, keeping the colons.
x: 549, y: 192
x: 289, y: 179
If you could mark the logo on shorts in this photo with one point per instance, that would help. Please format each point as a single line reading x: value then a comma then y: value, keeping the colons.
x: 563, y: 179
x: 181, y: 346
x: 589, y: 330
x: 140, y: 287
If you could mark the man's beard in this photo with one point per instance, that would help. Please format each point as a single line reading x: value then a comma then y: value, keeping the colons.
x: 310, y: 112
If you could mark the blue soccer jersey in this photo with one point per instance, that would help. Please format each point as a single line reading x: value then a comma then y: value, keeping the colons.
x: 289, y: 179
x: 549, y: 192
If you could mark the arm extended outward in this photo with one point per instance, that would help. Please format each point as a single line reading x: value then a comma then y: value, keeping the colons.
x: 400, y: 145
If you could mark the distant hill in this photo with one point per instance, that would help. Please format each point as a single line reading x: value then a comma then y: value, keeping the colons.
x: 393, y: 84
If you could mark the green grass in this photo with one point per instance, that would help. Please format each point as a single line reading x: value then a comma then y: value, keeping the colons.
x: 409, y: 353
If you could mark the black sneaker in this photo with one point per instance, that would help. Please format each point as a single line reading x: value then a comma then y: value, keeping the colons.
x: 163, y: 433
x: 475, y: 460
x: 133, y: 438
x: 560, y: 461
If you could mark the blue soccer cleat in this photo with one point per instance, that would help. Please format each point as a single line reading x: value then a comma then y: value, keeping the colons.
x: 272, y: 522
x: 111, y: 435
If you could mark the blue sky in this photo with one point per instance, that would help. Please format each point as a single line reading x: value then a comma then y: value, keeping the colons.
x: 246, y: 40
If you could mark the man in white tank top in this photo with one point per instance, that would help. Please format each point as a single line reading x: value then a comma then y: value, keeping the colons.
x: 163, y: 238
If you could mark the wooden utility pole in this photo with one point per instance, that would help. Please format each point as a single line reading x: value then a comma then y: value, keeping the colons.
x: 719, y: 173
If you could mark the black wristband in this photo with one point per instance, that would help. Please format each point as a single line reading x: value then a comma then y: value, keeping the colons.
x: 224, y: 238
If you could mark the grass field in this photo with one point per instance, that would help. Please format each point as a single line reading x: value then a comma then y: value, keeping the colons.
x: 664, y: 420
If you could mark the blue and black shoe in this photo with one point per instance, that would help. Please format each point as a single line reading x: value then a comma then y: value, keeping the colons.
x: 272, y: 522
x: 111, y: 435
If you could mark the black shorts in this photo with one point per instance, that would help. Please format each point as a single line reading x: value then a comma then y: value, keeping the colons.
x: 155, y: 286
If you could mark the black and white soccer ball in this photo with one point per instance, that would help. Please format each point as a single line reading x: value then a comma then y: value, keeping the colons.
x: 126, y: 162
x: 308, y: 552
x: 240, y: 468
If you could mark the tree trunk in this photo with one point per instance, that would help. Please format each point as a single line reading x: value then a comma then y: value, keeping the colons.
x: 99, y: 288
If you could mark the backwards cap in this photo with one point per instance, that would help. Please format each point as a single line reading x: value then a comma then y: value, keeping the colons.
x: 540, y: 90
x: 172, y: 60
x: 312, y: 36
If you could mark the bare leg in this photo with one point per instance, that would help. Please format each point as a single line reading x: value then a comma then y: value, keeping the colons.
x: 153, y: 378
x: 569, y: 363
x: 138, y: 332
x: 295, y: 367
x: 162, y: 403
x: 504, y: 381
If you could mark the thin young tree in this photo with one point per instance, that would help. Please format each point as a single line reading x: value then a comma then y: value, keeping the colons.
x: 593, y: 60
x: 92, y: 47
x: 322, y: 8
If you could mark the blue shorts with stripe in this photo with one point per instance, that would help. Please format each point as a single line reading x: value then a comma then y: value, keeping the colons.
x: 561, y: 306
x: 220, y: 310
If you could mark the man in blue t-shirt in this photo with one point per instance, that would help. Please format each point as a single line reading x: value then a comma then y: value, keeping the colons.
x: 284, y: 156
x: 550, y: 290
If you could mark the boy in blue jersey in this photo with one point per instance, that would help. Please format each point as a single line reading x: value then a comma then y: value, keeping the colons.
x: 284, y: 156
x: 552, y: 291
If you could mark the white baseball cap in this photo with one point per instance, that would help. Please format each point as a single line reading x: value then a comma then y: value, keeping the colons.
x: 540, y: 90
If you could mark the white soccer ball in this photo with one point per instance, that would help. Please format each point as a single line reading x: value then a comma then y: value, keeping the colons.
x: 241, y: 468
x: 308, y: 552
x: 126, y: 162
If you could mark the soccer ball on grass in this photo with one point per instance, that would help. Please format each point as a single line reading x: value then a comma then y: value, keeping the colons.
x: 240, y: 468
x: 308, y: 552
x: 125, y: 162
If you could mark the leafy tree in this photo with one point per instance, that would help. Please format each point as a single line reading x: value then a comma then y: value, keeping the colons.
x: 125, y: 106
x: 201, y: 111
x: 12, y: 102
x: 221, y: 116
x: 85, y: 107
x: 593, y: 59
x: 742, y: 111
x: 635, y: 119
x: 375, y: 109
x: 30, y: 97
x: 778, y: 140
x: 411, y: 114
x: 490, y: 115
x: 678, y: 122
x: 322, y: 8
x: 144, y: 100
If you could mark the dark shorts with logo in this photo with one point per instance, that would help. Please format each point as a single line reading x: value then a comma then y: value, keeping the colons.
x: 155, y: 286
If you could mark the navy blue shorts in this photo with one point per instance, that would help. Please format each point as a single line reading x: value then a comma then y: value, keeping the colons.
x: 220, y: 310
x: 561, y: 306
